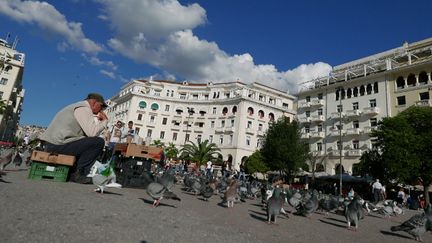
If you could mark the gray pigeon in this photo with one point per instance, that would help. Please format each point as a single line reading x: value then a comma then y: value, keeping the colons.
x: 354, y: 212
x: 417, y: 225
x: 207, y: 191
x: 274, y: 205
x: 167, y: 179
x: 100, y: 181
x: 328, y: 203
x: 231, y: 194
x: 157, y: 191
x: 6, y: 157
x: 310, y: 206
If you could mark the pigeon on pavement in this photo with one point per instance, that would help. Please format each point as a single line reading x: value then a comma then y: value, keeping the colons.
x: 274, y: 204
x: 158, y: 192
x: 354, y: 212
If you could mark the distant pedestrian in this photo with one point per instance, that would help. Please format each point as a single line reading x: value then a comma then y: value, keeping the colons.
x: 242, y: 171
x: 376, y: 190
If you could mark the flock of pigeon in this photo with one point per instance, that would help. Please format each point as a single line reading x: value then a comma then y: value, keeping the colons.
x: 273, y: 198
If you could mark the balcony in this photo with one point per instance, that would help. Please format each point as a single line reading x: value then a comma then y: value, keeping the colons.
x: 316, y: 103
x: 335, y: 133
x: 353, y: 131
x: 304, y: 104
x: 318, y: 153
x: 305, y: 135
x: 367, y: 130
x: 304, y: 119
x: 250, y: 131
x: 372, y: 111
x: 353, y: 113
x: 319, y: 118
x: 219, y: 130
x: 317, y: 134
x: 260, y: 133
x: 423, y: 103
x: 198, y: 129
x: 335, y: 115
x: 354, y: 152
x: 335, y: 152
x: 229, y: 130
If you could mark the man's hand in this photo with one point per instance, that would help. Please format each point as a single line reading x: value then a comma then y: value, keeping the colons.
x: 102, y: 116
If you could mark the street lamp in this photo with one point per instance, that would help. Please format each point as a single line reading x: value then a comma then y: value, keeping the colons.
x: 190, y: 111
x: 339, y: 89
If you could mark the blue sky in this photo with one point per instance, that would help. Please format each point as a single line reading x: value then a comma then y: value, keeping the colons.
x: 74, y: 47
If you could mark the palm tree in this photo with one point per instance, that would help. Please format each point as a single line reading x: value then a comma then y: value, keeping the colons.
x: 171, y: 151
x: 200, y: 152
x: 158, y: 143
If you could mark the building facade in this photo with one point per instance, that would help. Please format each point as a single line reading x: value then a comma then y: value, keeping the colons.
x: 234, y: 115
x: 11, y: 88
x: 339, y: 111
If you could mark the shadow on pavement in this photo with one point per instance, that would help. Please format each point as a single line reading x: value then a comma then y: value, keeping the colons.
x: 160, y: 204
x: 331, y: 223
x: 395, y: 234
x: 110, y: 193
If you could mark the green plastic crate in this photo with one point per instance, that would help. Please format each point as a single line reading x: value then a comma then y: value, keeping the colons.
x: 44, y: 171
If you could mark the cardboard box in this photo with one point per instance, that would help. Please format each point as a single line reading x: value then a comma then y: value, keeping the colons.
x: 53, y: 158
x: 141, y: 151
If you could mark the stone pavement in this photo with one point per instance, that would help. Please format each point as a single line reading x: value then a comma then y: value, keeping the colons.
x: 45, y: 211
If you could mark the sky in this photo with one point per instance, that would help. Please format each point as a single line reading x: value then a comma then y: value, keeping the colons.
x: 75, y: 47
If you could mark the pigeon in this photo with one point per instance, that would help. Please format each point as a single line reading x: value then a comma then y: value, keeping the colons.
x: 158, y: 192
x: 328, y: 204
x: 354, y: 212
x: 17, y: 161
x: 167, y: 179
x: 231, y: 194
x: 308, y: 207
x: 207, y: 191
x: 417, y: 225
x: 274, y: 205
x: 6, y: 157
x: 295, y: 200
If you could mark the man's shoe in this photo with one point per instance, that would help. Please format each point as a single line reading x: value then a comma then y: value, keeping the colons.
x: 79, y: 178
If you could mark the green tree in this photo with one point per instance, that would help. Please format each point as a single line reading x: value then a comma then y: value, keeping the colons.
x: 171, y: 151
x: 404, y: 145
x: 201, y: 152
x: 158, y: 143
x: 283, y: 149
x: 255, y: 163
x: 2, y: 106
x: 371, y: 164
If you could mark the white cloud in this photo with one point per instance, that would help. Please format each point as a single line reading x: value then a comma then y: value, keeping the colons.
x: 51, y: 21
x: 160, y: 33
x: 95, y: 61
x: 108, y: 74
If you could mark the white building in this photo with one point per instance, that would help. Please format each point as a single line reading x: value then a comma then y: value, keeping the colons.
x: 11, y: 89
x: 359, y: 94
x: 233, y: 115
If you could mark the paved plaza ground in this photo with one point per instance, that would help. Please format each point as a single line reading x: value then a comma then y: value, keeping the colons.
x: 45, y: 211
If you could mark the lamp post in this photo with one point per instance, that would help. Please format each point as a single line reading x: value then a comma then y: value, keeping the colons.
x: 190, y: 111
x: 339, y: 89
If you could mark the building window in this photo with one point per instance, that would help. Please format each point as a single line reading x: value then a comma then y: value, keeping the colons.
x: 339, y: 145
x: 195, y: 96
x: 375, y: 87
x: 182, y: 96
x: 339, y: 108
x: 142, y: 104
x: 221, y: 139
x: 231, y: 137
x: 212, y: 124
x: 139, y: 117
x: 285, y: 105
x: 187, y: 137
x: 424, y: 96
x: 199, y: 137
x: 372, y: 103
x: 320, y: 96
x: 355, y: 124
x: 164, y: 121
x: 355, y: 144
x: 401, y: 100
x: 211, y: 138
x: 320, y: 112
x: 307, y: 98
x: 149, y: 133
x: 152, y: 119
x: 137, y: 129
x: 369, y: 89
x: 248, y: 140
x: 167, y: 107
x: 355, y: 106
x: 214, y: 110
x: 232, y: 122
x: 249, y: 124
x: 319, y: 128
x: 162, y: 135
x: 373, y: 122
x: 223, y: 123
x: 319, y: 147
x: 260, y: 127
x: 306, y: 128
x: 307, y: 113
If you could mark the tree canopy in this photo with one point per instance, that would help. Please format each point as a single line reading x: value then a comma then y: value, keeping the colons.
x: 403, y: 147
x: 255, y: 163
x: 201, y: 152
x: 283, y: 149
